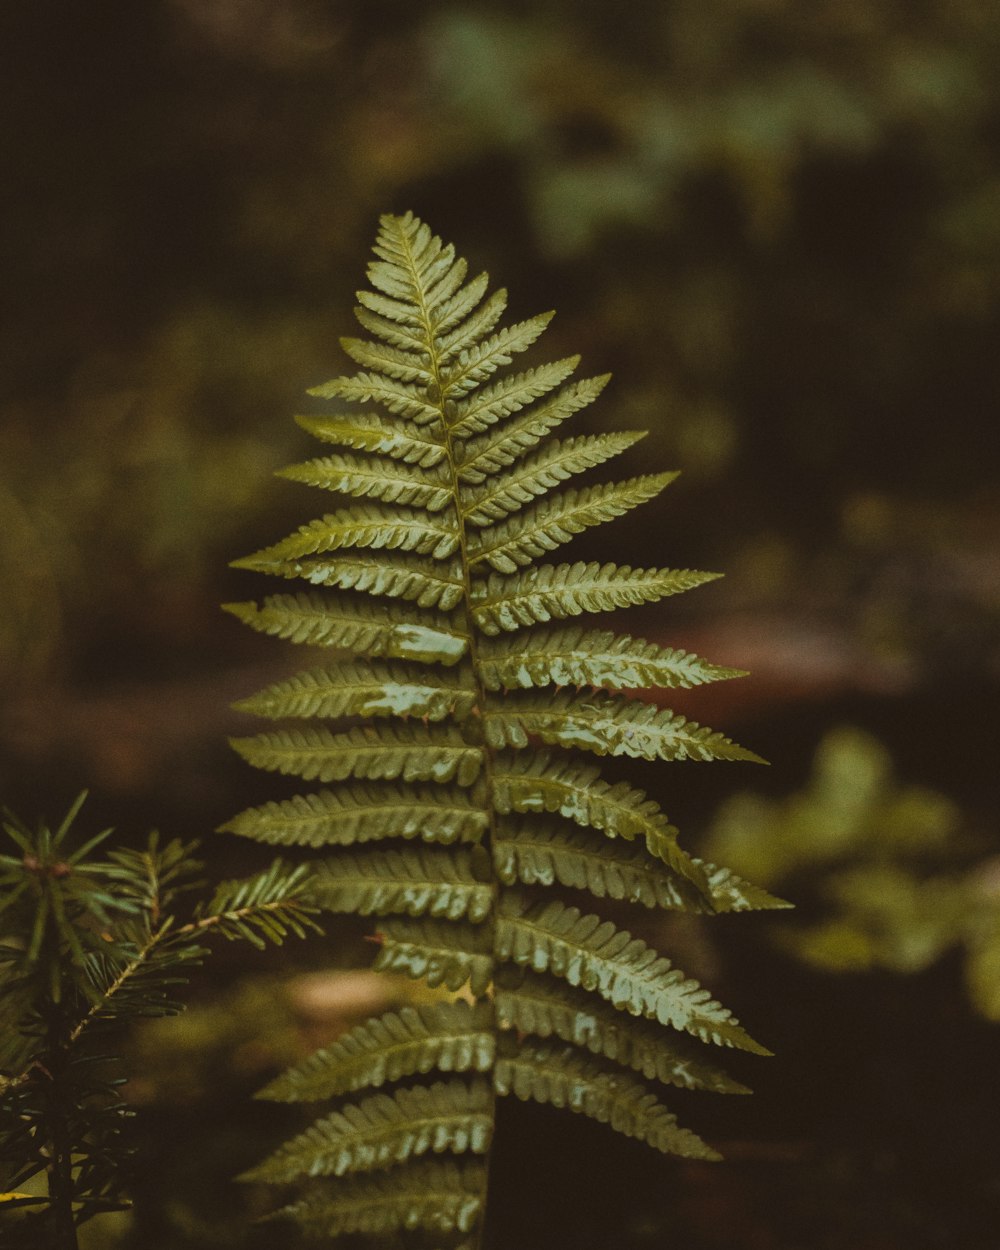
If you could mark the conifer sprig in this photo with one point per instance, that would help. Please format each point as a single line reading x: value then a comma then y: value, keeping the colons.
x: 89, y: 945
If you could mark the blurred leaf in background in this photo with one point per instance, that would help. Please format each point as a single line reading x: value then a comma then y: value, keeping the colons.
x: 896, y: 878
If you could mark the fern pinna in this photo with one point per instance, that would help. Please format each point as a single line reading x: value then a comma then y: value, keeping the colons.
x: 463, y: 800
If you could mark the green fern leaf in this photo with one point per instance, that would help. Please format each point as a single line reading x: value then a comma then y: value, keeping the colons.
x: 572, y: 657
x: 448, y: 953
x: 378, y: 632
x: 557, y: 462
x: 444, y: 1037
x: 422, y: 582
x: 371, y: 432
x: 386, y: 481
x: 539, y: 855
x: 415, y: 881
x: 611, y: 725
x: 556, y: 591
x: 385, y: 1129
x: 565, y: 1078
x: 552, y: 522
x: 469, y: 318
x: 404, y: 366
x: 514, y: 438
x: 405, y: 401
x: 360, y: 689
x: 545, y: 1007
x: 465, y: 825
x: 594, y: 954
x: 414, y: 263
x: 475, y: 363
x: 399, y: 312
x: 578, y: 792
x: 384, y: 754
x: 490, y: 405
x: 437, y: 1196
x: 363, y: 525
x: 407, y: 338
x: 731, y: 893
x: 353, y: 814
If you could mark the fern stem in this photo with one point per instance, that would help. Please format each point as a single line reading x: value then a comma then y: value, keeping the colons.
x: 484, y: 784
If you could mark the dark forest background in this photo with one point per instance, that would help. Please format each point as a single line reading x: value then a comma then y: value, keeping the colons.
x: 777, y: 222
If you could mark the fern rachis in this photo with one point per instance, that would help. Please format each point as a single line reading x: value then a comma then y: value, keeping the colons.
x: 444, y: 817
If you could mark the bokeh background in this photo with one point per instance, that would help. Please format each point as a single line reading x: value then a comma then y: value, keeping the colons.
x: 777, y: 222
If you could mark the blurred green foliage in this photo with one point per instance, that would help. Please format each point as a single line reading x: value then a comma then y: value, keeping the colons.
x: 896, y: 878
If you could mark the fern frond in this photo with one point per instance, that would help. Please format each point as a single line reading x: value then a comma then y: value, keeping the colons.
x: 610, y: 725
x: 363, y: 525
x: 556, y: 591
x: 596, y: 955
x: 545, y: 1007
x: 414, y: 262
x: 385, y: 480
x: 353, y: 814
x: 416, y: 881
x: 555, y: 463
x: 381, y: 631
x: 578, y: 793
x: 423, y: 582
x: 372, y: 432
x: 401, y: 364
x: 465, y: 323
x: 444, y: 1037
x: 382, y: 754
x: 478, y: 362
x: 548, y: 524
x: 385, y: 1129
x: 731, y: 893
x: 399, y: 398
x: 516, y: 437
x: 565, y: 1078
x: 490, y: 405
x: 361, y: 689
x: 399, y: 312
x: 536, y: 854
x: 407, y: 338
x: 437, y: 1196
x: 466, y: 825
x: 448, y: 953
x: 599, y: 658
